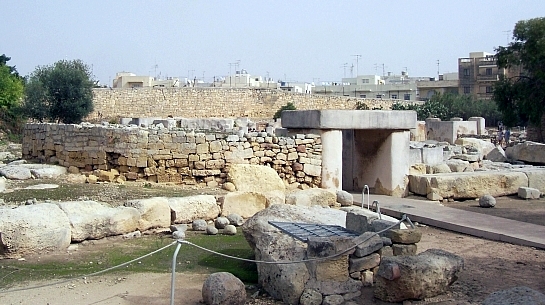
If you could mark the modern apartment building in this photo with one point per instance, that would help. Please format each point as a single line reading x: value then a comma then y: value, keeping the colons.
x: 477, y: 75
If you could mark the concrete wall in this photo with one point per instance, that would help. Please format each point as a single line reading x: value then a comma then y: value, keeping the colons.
x: 172, y: 155
x: 211, y: 102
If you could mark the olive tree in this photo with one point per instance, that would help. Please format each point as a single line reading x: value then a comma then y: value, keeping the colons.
x: 61, y: 92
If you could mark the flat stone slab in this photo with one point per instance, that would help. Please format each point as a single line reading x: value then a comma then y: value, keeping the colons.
x: 469, y: 184
x: 349, y: 119
x: 466, y: 222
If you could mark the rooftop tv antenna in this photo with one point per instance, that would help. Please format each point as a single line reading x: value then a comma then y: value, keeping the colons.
x: 358, y: 56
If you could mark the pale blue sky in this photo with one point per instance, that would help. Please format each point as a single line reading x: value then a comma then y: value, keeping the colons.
x: 299, y: 40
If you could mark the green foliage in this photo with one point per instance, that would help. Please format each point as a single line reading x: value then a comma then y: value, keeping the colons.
x: 447, y: 106
x: 60, y: 92
x: 361, y: 106
x: 11, y: 85
x: 288, y: 106
x: 521, y: 96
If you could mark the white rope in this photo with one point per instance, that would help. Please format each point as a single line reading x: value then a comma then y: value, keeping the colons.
x: 297, y: 261
x: 90, y: 274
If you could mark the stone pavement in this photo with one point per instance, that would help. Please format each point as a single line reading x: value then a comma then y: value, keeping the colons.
x: 471, y: 223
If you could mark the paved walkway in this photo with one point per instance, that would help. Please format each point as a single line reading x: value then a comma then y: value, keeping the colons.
x: 471, y: 223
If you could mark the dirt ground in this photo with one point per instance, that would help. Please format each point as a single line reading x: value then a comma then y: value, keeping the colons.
x: 489, y: 266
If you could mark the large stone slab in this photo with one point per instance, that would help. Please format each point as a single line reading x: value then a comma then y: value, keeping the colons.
x: 187, y: 209
x: 41, y: 171
x: 531, y: 152
x: 15, y: 172
x: 255, y: 178
x: 310, y: 197
x: 94, y: 220
x: 349, y: 119
x: 245, y: 204
x: 154, y: 212
x: 469, y: 184
x: 33, y: 229
x: 536, y: 177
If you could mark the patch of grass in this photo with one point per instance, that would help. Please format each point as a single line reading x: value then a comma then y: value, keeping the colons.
x: 189, y: 259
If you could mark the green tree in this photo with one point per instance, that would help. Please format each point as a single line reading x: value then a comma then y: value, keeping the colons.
x: 521, y: 96
x: 11, y: 85
x: 60, y: 92
x: 288, y: 106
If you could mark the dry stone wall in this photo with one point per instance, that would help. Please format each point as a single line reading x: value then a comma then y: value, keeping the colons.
x: 172, y: 155
x: 212, y: 102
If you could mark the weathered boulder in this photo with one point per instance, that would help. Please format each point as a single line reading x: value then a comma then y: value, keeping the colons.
x: 482, y: 147
x: 313, y: 196
x: 285, y: 282
x: 245, y: 204
x: 457, y: 166
x: 93, y: 220
x: 528, y: 193
x: 221, y: 222
x: 487, y: 201
x: 310, y: 297
x: 469, y: 184
x: 42, y: 171
x: 425, y: 275
x: 15, y: 172
x: 255, y: 178
x: 438, y: 168
x: 187, y: 209
x: 521, y: 295
x: 211, y: 230
x: 199, y: 225
x: 154, y: 212
x: 230, y: 230
x: 497, y: 155
x: 345, y: 198
x: 33, y: 229
x: 531, y: 152
x: 223, y: 288
x: 235, y: 219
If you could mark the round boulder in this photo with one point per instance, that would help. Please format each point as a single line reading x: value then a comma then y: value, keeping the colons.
x: 235, y: 219
x: 223, y: 288
x: 221, y: 222
x: 211, y: 230
x: 230, y: 230
x: 199, y: 225
x: 487, y: 201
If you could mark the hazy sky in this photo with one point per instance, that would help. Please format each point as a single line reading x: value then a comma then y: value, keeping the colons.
x: 292, y: 40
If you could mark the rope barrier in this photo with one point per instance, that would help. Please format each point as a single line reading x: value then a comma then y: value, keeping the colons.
x: 90, y: 274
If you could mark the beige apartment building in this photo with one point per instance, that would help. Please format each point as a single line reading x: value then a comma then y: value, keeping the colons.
x: 477, y: 74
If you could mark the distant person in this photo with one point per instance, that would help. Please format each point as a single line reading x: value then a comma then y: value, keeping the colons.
x: 507, y: 136
x: 499, y: 138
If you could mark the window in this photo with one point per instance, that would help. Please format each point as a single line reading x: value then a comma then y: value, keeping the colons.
x: 379, y: 96
x: 488, y: 71
x: 489, y: 89
x: 363, y: 96
x: 407, y: 96
x: 394, y: 96
x: 365, y: 80
x: 467, y: 90
x: 466, y: 72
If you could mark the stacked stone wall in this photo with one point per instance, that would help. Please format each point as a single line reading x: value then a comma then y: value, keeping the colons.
x: 213, y: 102
x: 172, y: 155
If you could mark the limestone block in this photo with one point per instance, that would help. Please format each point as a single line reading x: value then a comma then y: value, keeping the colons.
x: 310, y: 297
x: 255, y: 178
x: 386, y: 251
x: 313, y: 196
x: 187, y: 209
x: 330, y: 270
x: 359, y: 220
x: 425, y: 275
x: 408, y: 236
x: 223, y: 288
x: 402, y: 249
x: 312, y: 170
x: 528, y: 193
x: 33, y: 229
x: 93, y: 220
x: 528, y: 151
x: 536, y: 177
x: 15, y: 172
x: 417, y: 169
x: 456, y: 165
x: 364, y: 263
x: 470, y: 184
x: 245, y: 204
x: 497, y: 155
x: 483, y: 147
x: 367, y: 243
x: 345, y: 198
x: 154, y: 212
